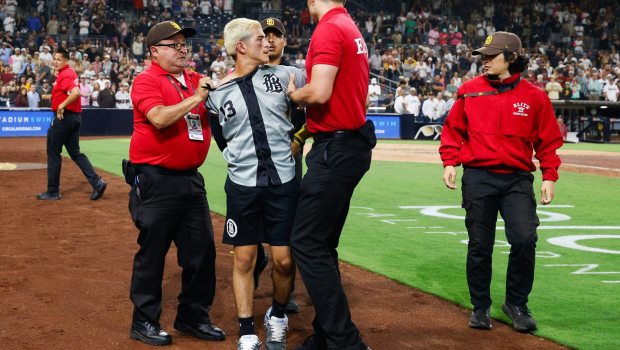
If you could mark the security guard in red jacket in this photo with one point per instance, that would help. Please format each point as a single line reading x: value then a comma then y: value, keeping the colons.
x: 494, y: 127
x: 167, y: 200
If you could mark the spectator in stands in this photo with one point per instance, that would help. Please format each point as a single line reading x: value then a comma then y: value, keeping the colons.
x: 566, y: 91
x: 218, y: 63
x: 94, y: 96
x: 105, y: 99
x: 33, y: 97
x: 85, y: 91
x: 400, y: 106
x: 430, y: 108
x: 5, y: 99
x: 9, y: 23
x: 137, y: 47
x: 84, y: 26
x: 595, y: 86
x: 437, y: 84
x: 46, y: 57
x: 46, y: 94
x: 553, y: 88
x: 102, y: 79
x: 611, y: 90
x: 450, y: 102
x: 300, y: 61
x: 22, y: 98
x: 441, y: 109
x: 375, y: 61
x: 106, y: 64
x: 374, y: 92
x: 34, y: 22
x: 123, y: 99
x: 412, y: 102
x: 16, y: 61
x: 52, y: 26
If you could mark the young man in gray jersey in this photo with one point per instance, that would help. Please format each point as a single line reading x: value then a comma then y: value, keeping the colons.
x: 254, y: 124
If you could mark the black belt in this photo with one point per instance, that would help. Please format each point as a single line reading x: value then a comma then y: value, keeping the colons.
x: 157, y: 170
x: 338, y: 134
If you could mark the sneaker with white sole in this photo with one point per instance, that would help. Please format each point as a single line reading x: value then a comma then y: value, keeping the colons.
x: 248, y: 342
x: 276, y: 329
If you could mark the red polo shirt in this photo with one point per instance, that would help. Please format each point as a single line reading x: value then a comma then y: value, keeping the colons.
x: 65, y: 82
x: 171, y: 147
x: 337, y: 41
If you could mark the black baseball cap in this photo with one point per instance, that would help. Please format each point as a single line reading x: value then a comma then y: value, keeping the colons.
x: 274, y: 23
x: 164, y: 30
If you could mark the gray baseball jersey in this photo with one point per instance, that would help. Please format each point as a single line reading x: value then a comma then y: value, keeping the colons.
x: 254, y: 113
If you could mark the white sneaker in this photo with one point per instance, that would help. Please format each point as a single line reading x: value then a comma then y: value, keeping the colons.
x: 276, y: 329
x: 248, y: 342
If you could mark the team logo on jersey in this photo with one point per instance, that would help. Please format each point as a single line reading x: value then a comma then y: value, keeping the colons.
x: 272, y: 83
x: 521, y: 109
x: 231, y: 228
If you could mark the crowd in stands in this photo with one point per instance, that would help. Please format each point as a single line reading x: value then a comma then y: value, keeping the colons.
x: 422, y: 51
x: 106, y: 46
x: 422, y: 55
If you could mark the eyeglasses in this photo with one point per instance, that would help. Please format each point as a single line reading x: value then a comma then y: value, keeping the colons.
x: 177, y: 46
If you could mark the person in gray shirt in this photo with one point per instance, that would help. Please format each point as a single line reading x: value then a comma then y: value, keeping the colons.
x: 253, y: 129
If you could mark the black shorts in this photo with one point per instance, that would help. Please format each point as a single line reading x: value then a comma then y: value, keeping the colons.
x: 259, y: 214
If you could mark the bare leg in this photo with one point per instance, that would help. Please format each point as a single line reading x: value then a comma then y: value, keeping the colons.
x: 243, y: 279
x: 283, y: 273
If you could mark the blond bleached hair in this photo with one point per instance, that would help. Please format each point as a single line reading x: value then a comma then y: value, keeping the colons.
x: 239, y: 29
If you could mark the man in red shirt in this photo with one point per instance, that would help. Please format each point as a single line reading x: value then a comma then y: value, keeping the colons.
x: 337, y: 70
x: 65, y: 131
x: 495, y: 146
x: 167, y: 200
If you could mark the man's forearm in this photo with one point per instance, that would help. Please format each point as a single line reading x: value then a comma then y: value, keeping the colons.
x: 164, y: 116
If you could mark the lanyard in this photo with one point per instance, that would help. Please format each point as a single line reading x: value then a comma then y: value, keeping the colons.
x: 176, y: 87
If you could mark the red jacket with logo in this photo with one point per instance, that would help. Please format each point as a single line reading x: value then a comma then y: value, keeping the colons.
x: 501, y: 132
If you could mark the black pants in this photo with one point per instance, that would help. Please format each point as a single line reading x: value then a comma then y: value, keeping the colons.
x: 66, y: 132
x: 172, y: 209
x: 335, y: 167
x: 512, y: 195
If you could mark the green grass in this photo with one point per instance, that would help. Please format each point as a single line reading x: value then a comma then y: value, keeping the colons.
x: 427, y: 252
x: 582, y: 146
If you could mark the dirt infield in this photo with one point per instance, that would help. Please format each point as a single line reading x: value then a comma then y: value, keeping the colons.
x: 65, y: 268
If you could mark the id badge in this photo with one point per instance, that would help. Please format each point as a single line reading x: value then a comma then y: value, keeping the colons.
x: 194, y: 128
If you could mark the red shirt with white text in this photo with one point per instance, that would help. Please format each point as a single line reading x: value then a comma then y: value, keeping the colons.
x: 337, y: 41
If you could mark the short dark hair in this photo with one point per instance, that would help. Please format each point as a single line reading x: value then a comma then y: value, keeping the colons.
x: 63, y: 52
x: 519, y: 65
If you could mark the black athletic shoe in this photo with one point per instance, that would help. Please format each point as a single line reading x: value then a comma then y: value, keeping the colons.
x: 149, y: 333
x: 46, y: 196
x: 98, y: 190
x: 522, y: 320
x: 480, y: 319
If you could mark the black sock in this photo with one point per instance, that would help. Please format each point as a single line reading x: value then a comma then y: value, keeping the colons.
x: 246, y: 326
x: 277, y: 309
